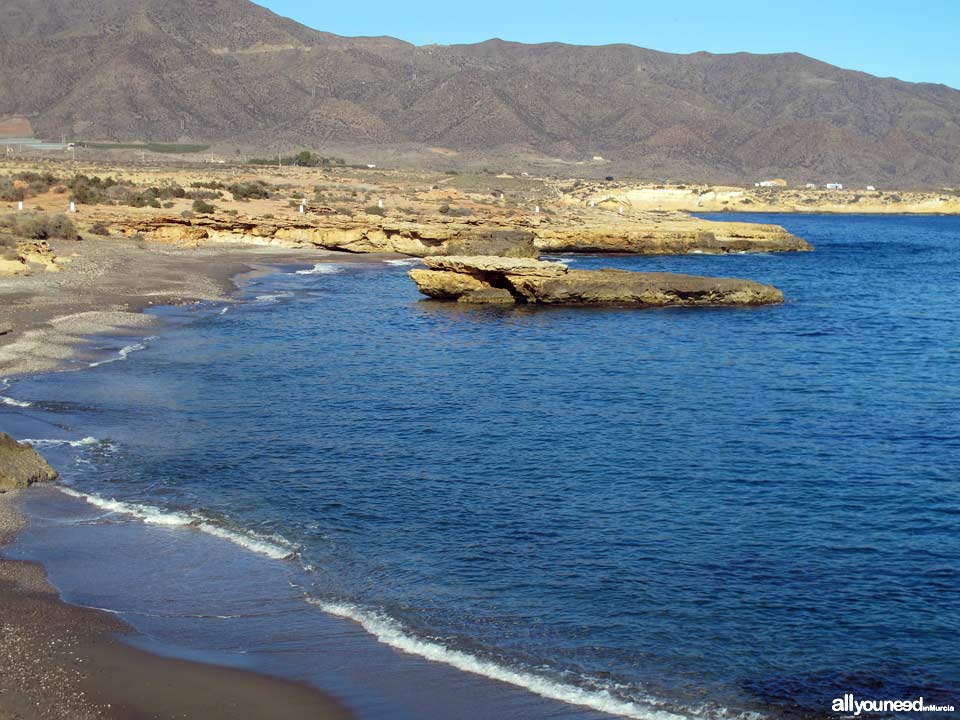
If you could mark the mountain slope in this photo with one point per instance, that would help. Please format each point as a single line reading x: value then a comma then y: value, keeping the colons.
x: 229, y: 70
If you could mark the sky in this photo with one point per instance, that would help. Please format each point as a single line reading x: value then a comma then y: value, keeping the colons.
x: 916, y: 41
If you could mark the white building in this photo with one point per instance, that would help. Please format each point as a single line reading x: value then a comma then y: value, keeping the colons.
x: 870, y: 187
x: 834, y: 186
x: 811, y: 186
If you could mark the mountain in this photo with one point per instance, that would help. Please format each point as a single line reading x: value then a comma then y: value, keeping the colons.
x: 232, y: 73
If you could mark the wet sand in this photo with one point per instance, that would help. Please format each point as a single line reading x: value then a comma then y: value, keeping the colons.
x: 61, y: 661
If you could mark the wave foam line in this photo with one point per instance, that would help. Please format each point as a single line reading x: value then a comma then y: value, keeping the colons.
x: 401, y: 262
x: 322, y: 269
x: 15, y: 403
x: 41, y: 442
x: 390, y: 632
x: 125, y: 351
x: 5, y: 385
x: 151, y: 515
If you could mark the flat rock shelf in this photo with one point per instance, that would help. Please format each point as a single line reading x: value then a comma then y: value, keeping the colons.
x: 506, y: 281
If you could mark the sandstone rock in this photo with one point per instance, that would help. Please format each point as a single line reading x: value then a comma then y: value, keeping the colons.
x: 669, y: 234
x: 27, y: 256
x: 11, y: 264
x: 618, y: 287
x: 483, y: 280
x: 446, y: 285
x: 482, y: 264
x: 500, y: 243
x: 21, y: 466
x: 650, y: 233
x: 38, y: 252
x: 491, y: 296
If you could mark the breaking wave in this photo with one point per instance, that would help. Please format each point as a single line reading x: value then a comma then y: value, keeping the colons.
x: 390, y: 632
x: 322, y: 269
x: 273, y: 547
x: 5, y: 385
x: 52, y: 442
x: 125, y: 352
x: 15, y: 403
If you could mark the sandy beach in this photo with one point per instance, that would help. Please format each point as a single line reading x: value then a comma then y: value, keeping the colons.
x: 62, y: 661
x: 107, y: 283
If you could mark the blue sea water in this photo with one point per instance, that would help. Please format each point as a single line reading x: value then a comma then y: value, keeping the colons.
x: 703, y: 512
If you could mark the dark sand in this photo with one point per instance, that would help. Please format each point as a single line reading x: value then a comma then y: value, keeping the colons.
x: 62, y: 662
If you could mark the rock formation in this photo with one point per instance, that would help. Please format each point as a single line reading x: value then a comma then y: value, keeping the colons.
x: 21, y: 466
x: 650, y: 234
x: 490, y: 280
x: 27, y: 255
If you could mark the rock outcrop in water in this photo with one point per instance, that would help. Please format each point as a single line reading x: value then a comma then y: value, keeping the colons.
x: 21, y: 466
x: 492, y: 280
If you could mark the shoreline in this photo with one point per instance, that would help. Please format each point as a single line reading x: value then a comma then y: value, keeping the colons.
x: 64, y: 661
x: 55, y: 613
x: 107, y: 286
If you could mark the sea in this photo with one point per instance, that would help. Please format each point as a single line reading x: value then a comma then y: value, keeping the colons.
x: 439, y: 511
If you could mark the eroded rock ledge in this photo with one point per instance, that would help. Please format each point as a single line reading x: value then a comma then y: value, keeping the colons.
x: 649, y: 234
x: 493, y: 280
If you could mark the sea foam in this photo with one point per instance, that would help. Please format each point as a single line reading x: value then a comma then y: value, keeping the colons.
x: 322, y: 269
x: 4, y: 385
x: 51, y: 442
x: 390, y: 632
x: 15, y: 403
x: 272, y: 547
x: 124, y: 352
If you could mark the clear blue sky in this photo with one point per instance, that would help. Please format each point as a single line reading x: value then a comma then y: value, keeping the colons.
x: 917, y: 41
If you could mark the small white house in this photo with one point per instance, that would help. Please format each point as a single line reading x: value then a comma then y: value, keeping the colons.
x: 811, y: 186
x: 834, y: 186
x: 870, y: 187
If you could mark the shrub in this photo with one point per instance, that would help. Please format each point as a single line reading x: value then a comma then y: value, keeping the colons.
x: 99, y: 229
x: 375, y: 210
x: 9, y: 192
x: 208, y: 184
x: 186, y: 214
x: 202, y: 207
x: 40, y: 226
x: 249, y: 191
x: 169, y: 192
x: 205, y: 195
